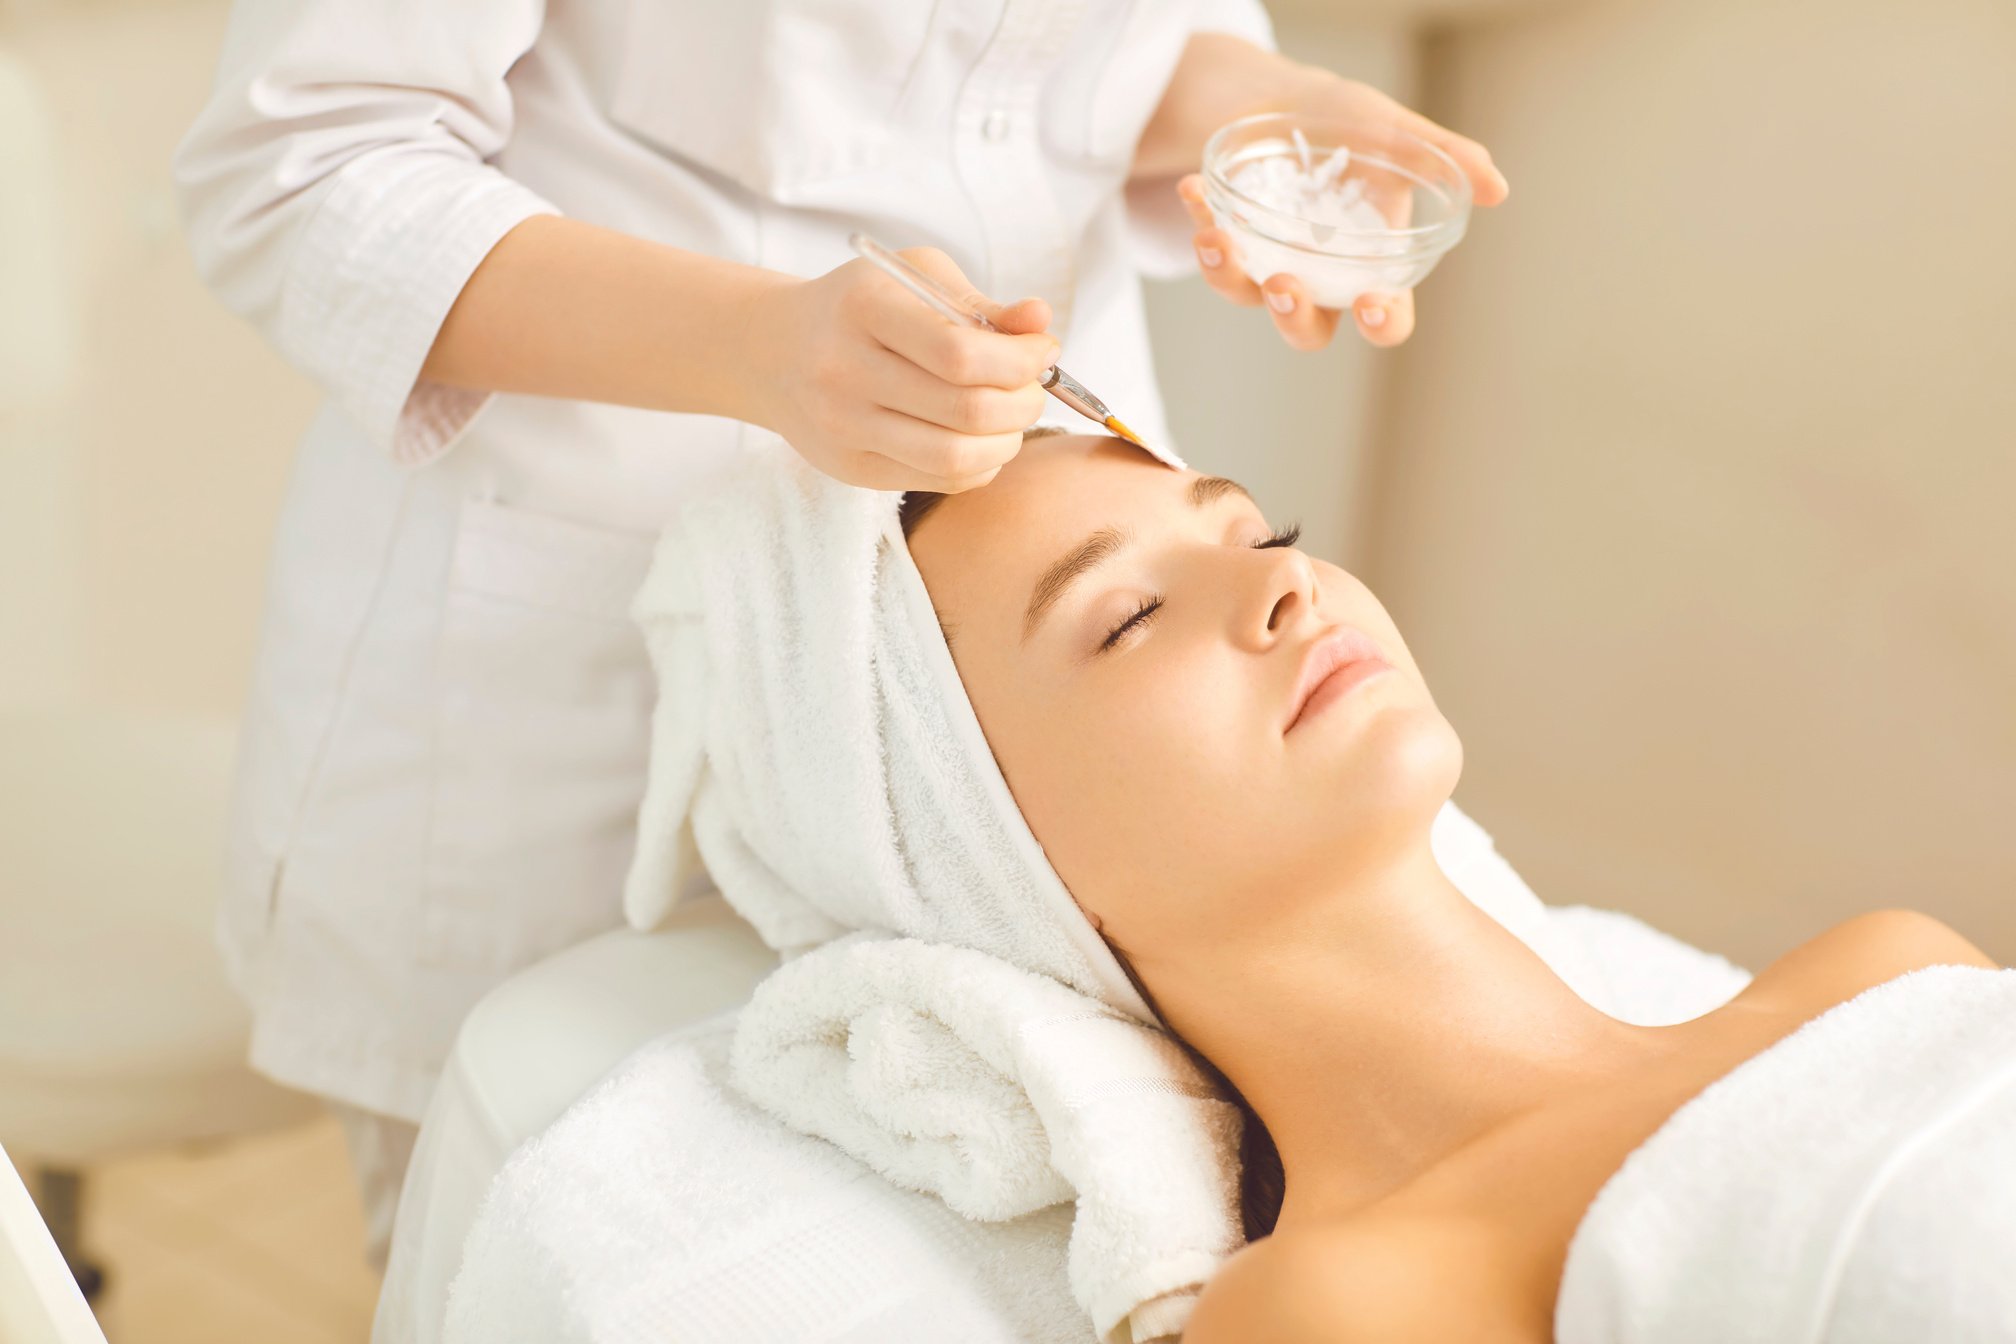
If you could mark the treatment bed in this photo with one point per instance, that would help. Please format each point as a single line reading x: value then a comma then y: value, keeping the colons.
x: 527, y: 1052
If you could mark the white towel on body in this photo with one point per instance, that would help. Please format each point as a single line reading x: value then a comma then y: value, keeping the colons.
x: 1853, y: 1184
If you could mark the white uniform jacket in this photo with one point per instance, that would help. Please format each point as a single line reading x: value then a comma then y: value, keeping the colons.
x: 444, y: 748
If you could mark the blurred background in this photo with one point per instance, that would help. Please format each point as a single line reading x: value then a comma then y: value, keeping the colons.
x: 1688, y: 495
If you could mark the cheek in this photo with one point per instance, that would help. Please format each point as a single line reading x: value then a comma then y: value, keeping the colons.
x: 1145, y: 779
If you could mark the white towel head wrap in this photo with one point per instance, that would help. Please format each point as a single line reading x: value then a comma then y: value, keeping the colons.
x: 814, y: 737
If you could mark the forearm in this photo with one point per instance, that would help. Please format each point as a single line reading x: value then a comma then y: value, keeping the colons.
x: 1219, y: 79
x: 562, y: 308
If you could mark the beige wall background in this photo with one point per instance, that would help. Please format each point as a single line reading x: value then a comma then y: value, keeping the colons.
x: 145, y: 434
x: 1694, y: 496
x: 1690, y: 493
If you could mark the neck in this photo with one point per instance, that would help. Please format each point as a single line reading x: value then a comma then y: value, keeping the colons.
x: 1381, y: 1028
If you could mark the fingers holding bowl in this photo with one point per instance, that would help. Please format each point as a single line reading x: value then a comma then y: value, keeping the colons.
x: 1217, y: 253
x: 1218, y: 260
x: 1190, y: 189
x: 1385, y: 319
x: 1302, y: 324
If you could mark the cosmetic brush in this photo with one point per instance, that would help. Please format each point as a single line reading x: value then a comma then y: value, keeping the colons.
x: 1056, y: 382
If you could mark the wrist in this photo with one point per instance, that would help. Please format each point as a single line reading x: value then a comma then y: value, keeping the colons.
x: 1219, y: 79
x: 744, y: 351
x: 1313, y: 91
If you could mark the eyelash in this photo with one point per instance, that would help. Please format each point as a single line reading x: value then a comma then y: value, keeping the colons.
x: 1127, y: 627
x: 1287, y: 536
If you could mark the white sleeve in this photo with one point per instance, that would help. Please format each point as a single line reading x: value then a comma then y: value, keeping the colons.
x: 1158, y: 225
x: 336, y: 192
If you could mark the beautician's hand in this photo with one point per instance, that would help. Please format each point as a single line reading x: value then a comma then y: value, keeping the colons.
x: 876, y: 389
x: 1382, y: 319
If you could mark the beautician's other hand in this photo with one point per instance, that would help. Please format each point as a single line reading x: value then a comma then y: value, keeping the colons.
x: 875, y: 388
x: 1383, y: 319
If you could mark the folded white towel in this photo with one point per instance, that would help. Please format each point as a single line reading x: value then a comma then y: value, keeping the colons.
x: 1004, y: 1092
x: 1853, y: 1184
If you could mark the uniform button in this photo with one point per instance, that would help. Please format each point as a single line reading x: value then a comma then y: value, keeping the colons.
x: 996, y: 125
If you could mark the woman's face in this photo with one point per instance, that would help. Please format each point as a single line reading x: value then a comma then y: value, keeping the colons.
x: 1138, y: 646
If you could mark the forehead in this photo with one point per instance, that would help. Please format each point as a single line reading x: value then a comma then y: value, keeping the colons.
x: 1058, y: 484
x: 984, y: 548
x: 1096, y: 467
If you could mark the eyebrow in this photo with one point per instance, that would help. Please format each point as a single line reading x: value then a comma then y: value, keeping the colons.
x: 1207, y: 488
x: 1102, y: 546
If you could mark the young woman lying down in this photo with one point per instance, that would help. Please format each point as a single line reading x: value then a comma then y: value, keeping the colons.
x: 1162, y: 678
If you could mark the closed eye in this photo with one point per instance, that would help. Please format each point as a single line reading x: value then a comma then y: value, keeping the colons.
x: 1142, y: 615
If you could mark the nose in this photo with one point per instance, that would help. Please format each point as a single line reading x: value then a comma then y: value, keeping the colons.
x: 1284, y: 597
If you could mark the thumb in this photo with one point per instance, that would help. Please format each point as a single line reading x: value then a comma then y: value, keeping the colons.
x: 1017, y: 319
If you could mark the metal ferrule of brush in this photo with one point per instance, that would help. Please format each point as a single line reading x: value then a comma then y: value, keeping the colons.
x: 1075, y: 395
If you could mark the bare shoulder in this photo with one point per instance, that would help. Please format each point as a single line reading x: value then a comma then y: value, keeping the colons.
x: 1368, y: 1280
x: 1870, y: 949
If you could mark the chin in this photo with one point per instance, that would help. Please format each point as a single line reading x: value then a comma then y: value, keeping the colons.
x: 1402, y: 769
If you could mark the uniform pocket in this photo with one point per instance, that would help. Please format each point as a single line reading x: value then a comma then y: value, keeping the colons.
x: 772, y: 94
x: 544, y: 695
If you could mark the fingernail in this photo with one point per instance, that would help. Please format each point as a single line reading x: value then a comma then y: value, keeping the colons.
x: 1373, y: 316
x: 1281, y: 301
x: 1210, y: 256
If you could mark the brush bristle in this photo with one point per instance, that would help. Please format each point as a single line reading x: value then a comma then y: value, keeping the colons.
x: 1119, y: 426
x: 1162, y: 455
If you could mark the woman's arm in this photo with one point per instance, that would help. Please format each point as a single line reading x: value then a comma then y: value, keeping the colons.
x: 868, y: 384
x: 562, y: 308
x: 1219, y: 78
x: 339, y: 194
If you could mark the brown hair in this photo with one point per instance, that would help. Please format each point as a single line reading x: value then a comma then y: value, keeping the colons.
x: 917, y: 503
x: 1263, y: 1183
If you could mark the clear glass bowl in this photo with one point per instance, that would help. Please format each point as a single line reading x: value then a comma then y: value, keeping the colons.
x: 1419, y: 192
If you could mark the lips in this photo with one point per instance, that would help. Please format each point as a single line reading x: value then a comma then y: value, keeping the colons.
x: 1331, y: 655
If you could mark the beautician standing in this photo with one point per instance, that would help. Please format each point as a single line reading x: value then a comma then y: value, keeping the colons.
x: 623, y: 222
